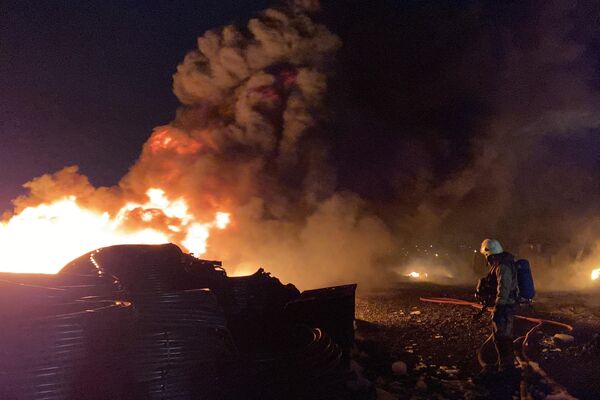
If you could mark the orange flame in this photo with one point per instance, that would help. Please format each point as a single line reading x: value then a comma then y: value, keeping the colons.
x: 222, y: 219
x: 44, y: 238
x: 165, y: 140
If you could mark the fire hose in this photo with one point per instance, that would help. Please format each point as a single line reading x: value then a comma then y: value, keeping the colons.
x: 528, y: 366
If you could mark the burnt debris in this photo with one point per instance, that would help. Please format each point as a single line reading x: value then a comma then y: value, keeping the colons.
x: 150, y: 322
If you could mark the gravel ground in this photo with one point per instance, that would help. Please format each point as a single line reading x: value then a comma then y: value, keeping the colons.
x: 434, y: 345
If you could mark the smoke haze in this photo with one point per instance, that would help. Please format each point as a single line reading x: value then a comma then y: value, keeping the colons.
x: 492, y: 114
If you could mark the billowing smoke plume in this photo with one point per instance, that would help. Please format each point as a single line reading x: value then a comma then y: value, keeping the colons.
x: 247, y: 139
x: 251, y: 102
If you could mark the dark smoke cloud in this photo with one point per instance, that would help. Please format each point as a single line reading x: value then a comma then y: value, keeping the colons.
x: 487, y: 121
x: 251, y: 100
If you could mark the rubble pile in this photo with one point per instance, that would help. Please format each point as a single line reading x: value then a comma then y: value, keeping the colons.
x: 150, y: 322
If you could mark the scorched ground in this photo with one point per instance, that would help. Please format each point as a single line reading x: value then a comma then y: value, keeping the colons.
x: 438, y: 344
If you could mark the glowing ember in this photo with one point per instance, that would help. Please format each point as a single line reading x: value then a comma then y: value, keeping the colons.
x: 414, y: 275
x: 44, y: 238
x: 174, y: 140
x: 596, y: 274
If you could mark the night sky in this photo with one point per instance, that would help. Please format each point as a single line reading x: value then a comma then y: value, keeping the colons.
x: 85, y: 82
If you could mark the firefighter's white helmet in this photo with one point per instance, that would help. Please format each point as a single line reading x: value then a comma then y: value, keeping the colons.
x: 490, y: 246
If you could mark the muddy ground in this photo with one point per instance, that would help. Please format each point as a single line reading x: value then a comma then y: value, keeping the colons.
x: 438, y: 344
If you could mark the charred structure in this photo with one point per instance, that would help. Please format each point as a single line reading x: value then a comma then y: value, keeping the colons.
x: 151, y: 322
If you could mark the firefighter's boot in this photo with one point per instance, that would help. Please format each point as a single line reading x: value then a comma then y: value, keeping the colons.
x: 506, y: 355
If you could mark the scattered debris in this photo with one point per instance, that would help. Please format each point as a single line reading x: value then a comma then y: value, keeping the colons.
x: 547, y: 341
x: 449, y: 370
x: 383, y: 395
x: 420, y: 366
x: 421, y: 385
x: 399, y: 368
x: 563, y: 338
x: 360, y: 384
x: 415, y: 312
x: 593, y: 346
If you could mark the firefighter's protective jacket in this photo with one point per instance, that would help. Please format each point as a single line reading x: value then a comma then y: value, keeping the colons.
x: 503, y: 267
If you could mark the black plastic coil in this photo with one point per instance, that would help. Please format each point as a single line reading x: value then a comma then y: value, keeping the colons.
x: 309, y: 370
x: 46, y: 357
x: 56, y: 288
x: 180, y: 384
x: 153, y: 278
x: 95, y: 284
x: 179, y: 348
x: 184, y: 309
x: 141, y: 269
x: 180, y: 343
x: 25, y: 300
x: 249, y: 294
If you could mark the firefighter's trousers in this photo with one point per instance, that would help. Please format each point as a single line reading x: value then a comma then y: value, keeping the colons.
x: 502, y: 325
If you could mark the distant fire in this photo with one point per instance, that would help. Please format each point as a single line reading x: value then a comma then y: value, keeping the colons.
x: 44, y: 238
x: 596, y: 274
x: 417, y: 275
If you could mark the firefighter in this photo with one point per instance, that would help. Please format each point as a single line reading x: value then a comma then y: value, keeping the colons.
x: 502, y: 272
